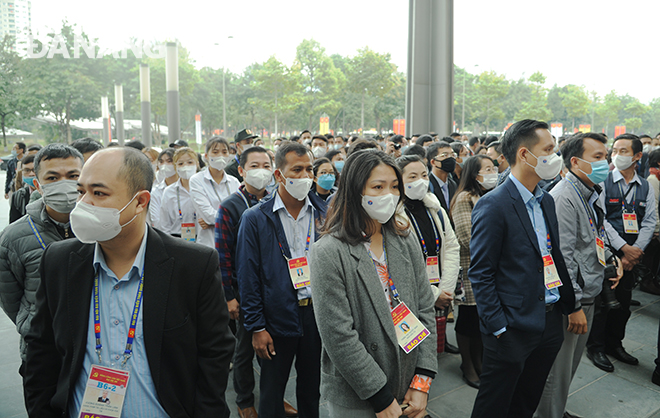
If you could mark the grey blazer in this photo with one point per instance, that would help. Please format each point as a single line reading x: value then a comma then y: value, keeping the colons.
x: 360, y: 353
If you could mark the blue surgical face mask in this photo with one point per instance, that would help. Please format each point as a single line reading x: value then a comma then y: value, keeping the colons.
x: 14, y: 153
x: 339, y: 165
x: 599, y: 170
x: 326, y: 181
x: 29, y: 181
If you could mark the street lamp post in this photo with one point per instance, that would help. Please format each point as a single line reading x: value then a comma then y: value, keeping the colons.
x: 224, y: 101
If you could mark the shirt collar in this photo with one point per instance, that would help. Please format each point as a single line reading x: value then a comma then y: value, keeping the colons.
x: 442, y: 183
x: 617, y: 176
x: 138, y: 263
x: 207, y: 175
x: 524, y: 193
x: 249, y: 195
x: 279, y: 204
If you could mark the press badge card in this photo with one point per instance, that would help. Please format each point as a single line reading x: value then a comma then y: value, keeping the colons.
x: 409, y: 330
x: 600, y: 250
x: 630, y: 223
x: 188, y: 232
x: 299, y: 271
x: 432, y: 270
x: 104, y: 393
x: 551, y: 277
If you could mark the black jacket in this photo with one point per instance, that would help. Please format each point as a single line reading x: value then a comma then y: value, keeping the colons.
x: 186, y: 334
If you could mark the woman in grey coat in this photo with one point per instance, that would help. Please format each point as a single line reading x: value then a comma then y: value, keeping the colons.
x: 372, y: 300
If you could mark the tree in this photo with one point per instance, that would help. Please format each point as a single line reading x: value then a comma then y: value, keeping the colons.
x: 608, y: 110
x: 536, y: 107
x: 320, y: 80
x: 637, y: 109
x: 491, y: 88
x: 575, y: 101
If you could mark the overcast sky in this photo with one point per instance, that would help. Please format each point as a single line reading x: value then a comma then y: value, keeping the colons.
x: 604, y: 45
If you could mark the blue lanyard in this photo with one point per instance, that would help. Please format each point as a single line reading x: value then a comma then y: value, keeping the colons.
x: 309, y: 238
x: 436, y: 234
x: 390, y: 282
x: 623, y: 197
x: 128, y: 351
x: 178, y: 201
x: 36, y: 233
x: 586, y: 208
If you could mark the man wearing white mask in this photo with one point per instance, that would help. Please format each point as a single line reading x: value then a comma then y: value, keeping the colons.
x: 630, y: 217
x: 57, y: 168
x: 210, y: 187
x: 273, y: 279
x: 126, y: 307
x: 244, y: 141
x: 177, y: 213
x: 319, y: 146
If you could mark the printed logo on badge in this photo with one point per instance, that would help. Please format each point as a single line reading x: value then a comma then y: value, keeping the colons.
x: 104, y: 392
x: 409, y: 330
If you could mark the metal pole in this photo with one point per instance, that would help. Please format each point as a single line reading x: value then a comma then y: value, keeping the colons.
x: 119, y: 113
x: 463, y: 112
x: 172, y: 88
x: 224, y: 105
x: 105, y: 116
x: 442, y: 63
x: 145, y: 103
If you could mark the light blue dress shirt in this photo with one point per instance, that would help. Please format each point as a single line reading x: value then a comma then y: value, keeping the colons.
x: 296, y: 231
x: 444, y: 187
x: 116, y: 303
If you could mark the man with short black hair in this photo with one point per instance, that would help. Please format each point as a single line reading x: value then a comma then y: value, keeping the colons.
x: 474, y: 143
x: 17, y: 154
x: 442, y: 159
x: 319, y: 145
x: 424, y: 140
x: 519, y: 277
x: 276, y: 305
x: 630, y: 220
x: 305, y: 137
x: 21, y: 197
x: 244, y: 141
x: 57, y: 168
x: 129, y: 298
x: 87, y: 146
x: 494, y: 151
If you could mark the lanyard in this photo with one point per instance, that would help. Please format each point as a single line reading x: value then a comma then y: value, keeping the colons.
x: 178, y: 202
x: 586, y: 208
x: 36, y: 233
x: 309, y: 238
x: 436, y: 234
x: 216, y: 192
x: 549, y: 243
x: 390, y: 282
x: 244, y: 199
x: 131, y: 330
x: 623, y: 198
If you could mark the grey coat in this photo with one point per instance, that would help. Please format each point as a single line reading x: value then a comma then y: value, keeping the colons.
x: 20, y: 255
x: 360, y: 352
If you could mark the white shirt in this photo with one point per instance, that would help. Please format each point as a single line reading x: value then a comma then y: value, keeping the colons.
x: 206, y: 197
x: 169, y: 211
x: 155, y: 202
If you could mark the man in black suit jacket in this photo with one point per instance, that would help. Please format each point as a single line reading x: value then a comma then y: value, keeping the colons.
x: 442, y: 160
x: 514, y: 234
x: 183, y: 327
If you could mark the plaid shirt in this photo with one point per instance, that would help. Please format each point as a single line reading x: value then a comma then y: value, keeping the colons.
x: 225, y: 243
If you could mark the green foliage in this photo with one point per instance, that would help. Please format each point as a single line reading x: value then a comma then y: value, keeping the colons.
x: 492, y: 88
x: 575, y: 101
x: 536, y: 106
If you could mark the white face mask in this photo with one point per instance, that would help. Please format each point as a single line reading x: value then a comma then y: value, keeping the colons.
x: 298, y: 188
x: 547, y: 166
x: 246, y: 147
x: 168, y: 170
x: 621, y: 162
x: 380, y: 208
x: 61, y: 195
x: 490, y: 181
x: 258, y: 178
x: 187, y: 171
x: 219, y: 163
x: 417, y: 189
x: 92, y: 224
x: 319, y: 151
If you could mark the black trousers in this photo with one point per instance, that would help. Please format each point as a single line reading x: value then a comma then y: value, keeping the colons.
x: 243, y: 369
x: 275, y: 373
x: 609, y: 326
x: 515, y: 369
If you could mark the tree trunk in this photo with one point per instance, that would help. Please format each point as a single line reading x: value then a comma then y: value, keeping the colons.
x: 362, y: 115
x: 68, y: 122
x: 277, y: 132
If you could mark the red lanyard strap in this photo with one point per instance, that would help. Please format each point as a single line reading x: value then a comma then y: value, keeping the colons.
x: 390, y: 282
x: 128, y: 351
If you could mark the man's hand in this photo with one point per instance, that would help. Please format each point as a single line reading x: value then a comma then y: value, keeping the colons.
x: 389, y: 149
x: 633, y: 254
x: 263, y: 344
x: 444, y: 300
x: 6, y: 195
x: 416, y: 401
x: 234, y: 308
x: 626, y: 263
x: 392, y: 411
x: 203, y: 224
x: 577, y: 323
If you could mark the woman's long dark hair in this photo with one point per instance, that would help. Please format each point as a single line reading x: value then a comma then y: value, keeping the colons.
x: 346, y: 219
x: 469, y: 175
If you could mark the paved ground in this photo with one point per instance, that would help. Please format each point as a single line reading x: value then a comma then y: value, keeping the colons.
x: 626, y: 393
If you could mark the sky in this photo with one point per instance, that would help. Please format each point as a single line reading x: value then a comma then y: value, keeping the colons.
x: 603, y: 45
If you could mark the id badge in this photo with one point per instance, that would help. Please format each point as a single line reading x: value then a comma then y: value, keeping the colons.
x: 600, y: 250
x: 551, y: 277
x: 409, y: 330
x: 299, y: 272
x: 630, y: 223
x: 104, y: 393
x: 188, y: 232
x: 432, y: 270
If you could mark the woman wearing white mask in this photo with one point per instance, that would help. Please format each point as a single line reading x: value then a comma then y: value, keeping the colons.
x: 372, y: 300
x: 177, y: 213
x: 479, y: 176
x: 167, y: 171
x: 209, y: 188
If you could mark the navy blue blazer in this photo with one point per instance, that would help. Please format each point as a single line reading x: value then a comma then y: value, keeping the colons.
x: 268, y: 299
x: 506, y: 269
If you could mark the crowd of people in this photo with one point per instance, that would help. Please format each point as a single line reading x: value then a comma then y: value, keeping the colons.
x: 137, y: 277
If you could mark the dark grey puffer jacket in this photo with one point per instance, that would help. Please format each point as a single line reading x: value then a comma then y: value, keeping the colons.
x: 20, y: 255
